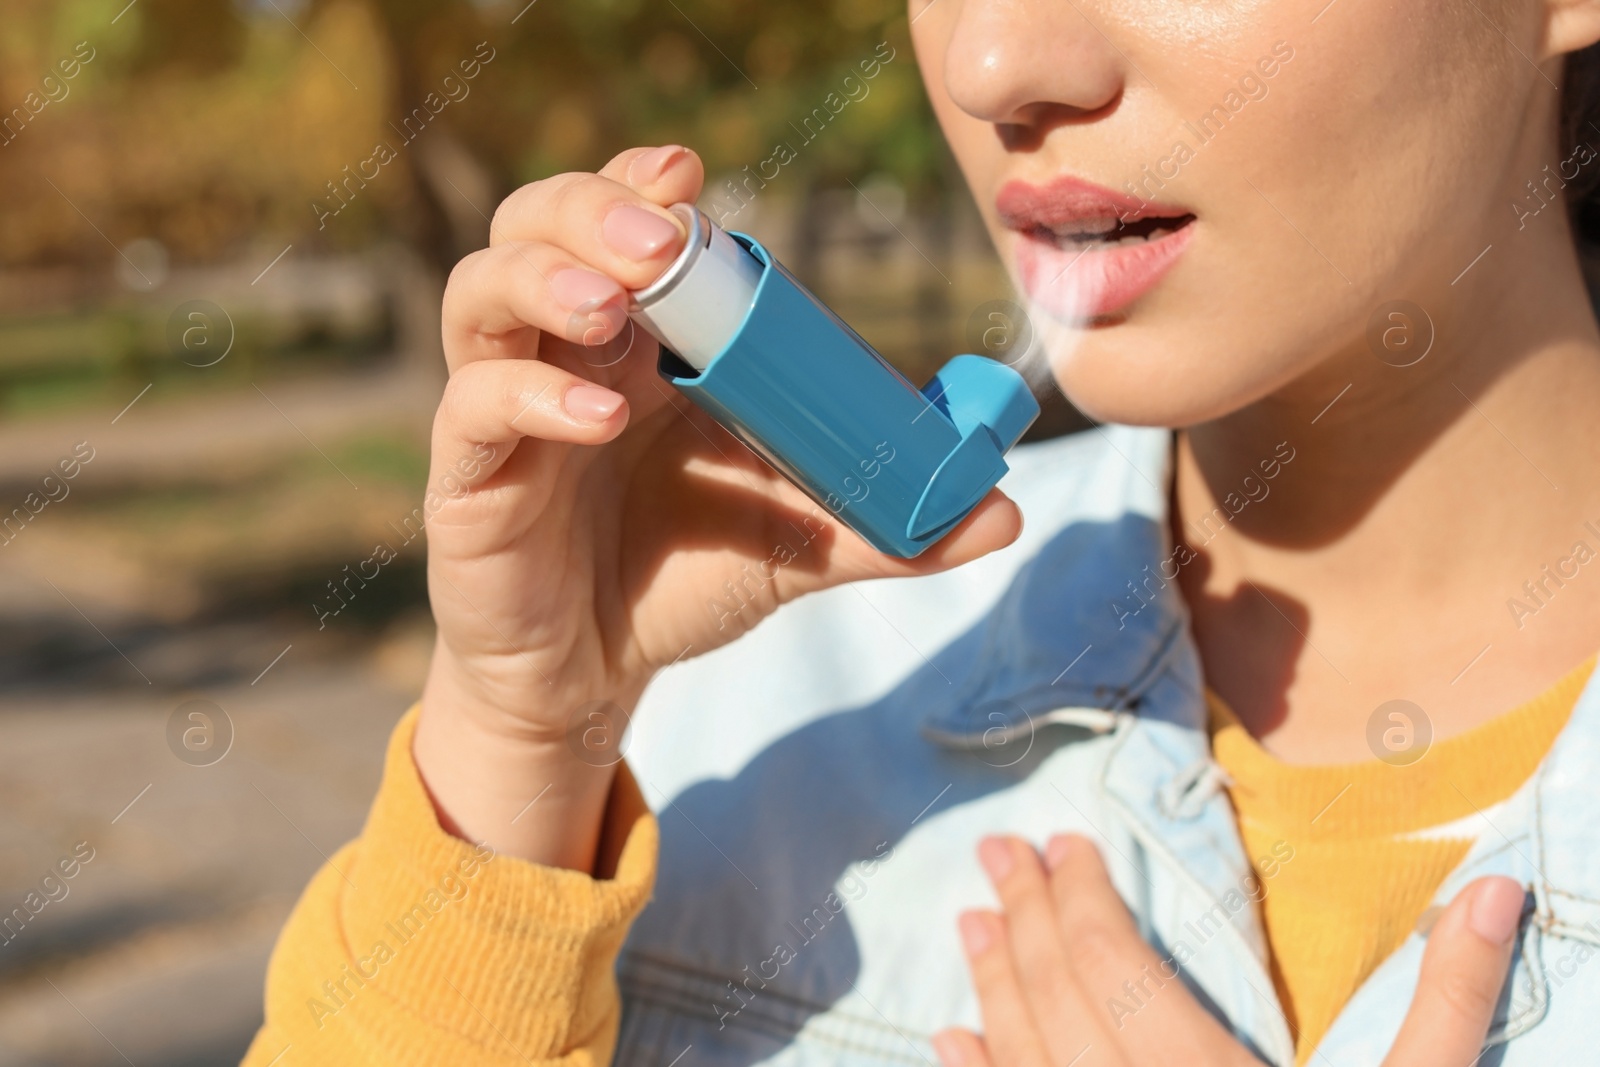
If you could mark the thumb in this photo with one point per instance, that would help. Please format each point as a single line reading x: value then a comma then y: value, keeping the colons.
x: 993, y: 524
x: 1463, y: 971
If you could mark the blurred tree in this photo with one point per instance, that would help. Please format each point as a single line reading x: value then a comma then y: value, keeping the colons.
x: 207, y: 124
x: 200, y: 124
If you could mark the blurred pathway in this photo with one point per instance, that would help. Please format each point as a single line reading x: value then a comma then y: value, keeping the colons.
x: 157, y: 953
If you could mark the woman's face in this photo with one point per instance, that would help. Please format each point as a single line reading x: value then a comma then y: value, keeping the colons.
x: 1207, y: 201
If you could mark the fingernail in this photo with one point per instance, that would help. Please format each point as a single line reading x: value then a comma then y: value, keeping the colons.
x: 591, y: 403
x: 948, y: 1049
x: 634, y: 233
x: 995, y: 855
x: 975, y: 935
x: 573, y: 288
x: 1496, y: 910
x: 649, y: 167
x: 1055, y: 851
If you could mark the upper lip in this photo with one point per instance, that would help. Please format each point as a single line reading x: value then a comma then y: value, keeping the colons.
x: 1069, y: 203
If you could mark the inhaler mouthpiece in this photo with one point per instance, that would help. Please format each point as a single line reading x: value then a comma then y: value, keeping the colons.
x: 699, y: 302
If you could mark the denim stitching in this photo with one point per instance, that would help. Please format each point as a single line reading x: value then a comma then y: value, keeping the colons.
x: 681, y: 997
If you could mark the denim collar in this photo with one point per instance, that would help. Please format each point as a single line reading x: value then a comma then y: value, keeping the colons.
x: 1087, y: 625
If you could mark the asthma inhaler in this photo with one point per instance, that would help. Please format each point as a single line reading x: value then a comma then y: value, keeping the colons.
x: 748, y: 343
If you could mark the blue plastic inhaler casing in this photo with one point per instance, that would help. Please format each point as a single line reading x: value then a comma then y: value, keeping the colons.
x: 898, y: 465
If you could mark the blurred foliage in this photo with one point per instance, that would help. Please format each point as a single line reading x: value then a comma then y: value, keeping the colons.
x: 62, y: 359
x: 211, y: 124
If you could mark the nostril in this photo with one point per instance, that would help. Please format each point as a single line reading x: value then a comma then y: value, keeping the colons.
x: 1016, y: 137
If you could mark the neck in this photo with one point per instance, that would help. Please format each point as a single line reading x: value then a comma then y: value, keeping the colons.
x: 1419, y: 506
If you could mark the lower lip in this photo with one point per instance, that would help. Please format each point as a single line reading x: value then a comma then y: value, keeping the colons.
x: 1081, y: 286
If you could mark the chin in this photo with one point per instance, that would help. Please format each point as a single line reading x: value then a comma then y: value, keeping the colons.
x: 1143, y: 382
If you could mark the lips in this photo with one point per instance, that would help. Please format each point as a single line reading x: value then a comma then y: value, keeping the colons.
x: 1085, y: 252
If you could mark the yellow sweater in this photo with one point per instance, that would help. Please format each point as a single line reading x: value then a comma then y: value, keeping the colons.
x: 1369, y: 843
x: 412, y: 947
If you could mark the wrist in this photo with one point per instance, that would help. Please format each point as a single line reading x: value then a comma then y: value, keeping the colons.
x: 514, y: 781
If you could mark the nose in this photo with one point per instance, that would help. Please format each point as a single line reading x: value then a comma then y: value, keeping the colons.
x: 1028, y: 63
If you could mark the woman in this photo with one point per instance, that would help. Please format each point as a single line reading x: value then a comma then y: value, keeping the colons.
x: 1295, y: 700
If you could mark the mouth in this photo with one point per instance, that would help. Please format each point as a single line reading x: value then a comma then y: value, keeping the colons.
x: 1085, y: 253
x: 1105, y: 233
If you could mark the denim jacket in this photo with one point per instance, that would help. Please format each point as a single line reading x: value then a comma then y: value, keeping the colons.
x: 822, y: 784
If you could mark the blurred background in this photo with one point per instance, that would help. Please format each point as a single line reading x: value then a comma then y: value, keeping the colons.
x: 225, y: 227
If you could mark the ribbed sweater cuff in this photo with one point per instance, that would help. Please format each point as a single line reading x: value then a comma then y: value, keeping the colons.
x: 467, y: 946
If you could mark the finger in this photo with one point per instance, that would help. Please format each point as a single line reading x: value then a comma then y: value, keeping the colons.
x: 1009, y: 1030
x: 604, y: 223
x: 499, y: 402
x: 667, y: 175
x: 500, y: 299
x: 962, y: 1048
x: 1144, y: 1006
x: 1064, y: 1018
x: 1463, y: 970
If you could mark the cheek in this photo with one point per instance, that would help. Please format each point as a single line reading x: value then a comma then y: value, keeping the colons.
x: 1343, y: 188
x: 1371, y: 133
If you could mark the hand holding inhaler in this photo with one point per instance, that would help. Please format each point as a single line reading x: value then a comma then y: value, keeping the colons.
x: 747, y: 343
x: 588, y: 526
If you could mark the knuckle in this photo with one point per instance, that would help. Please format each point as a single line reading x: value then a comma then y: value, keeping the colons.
x: 518, y: 392
x: 1043, y: 967
x: 991, y: 974
x: 512, y: 395
x: 1024, y: 885
x: 1467, y: 997
x: 508, y: 209
x: 562, y: 193
x: 1092, y: 947
x: 619, y: 164
x: 450, y: 399
x: 462, y: 275
x: 467, y: 387
x: 532, y: 201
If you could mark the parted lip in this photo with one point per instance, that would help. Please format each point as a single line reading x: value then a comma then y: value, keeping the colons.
x: 1084, y: 252
x: 1065, y: 200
